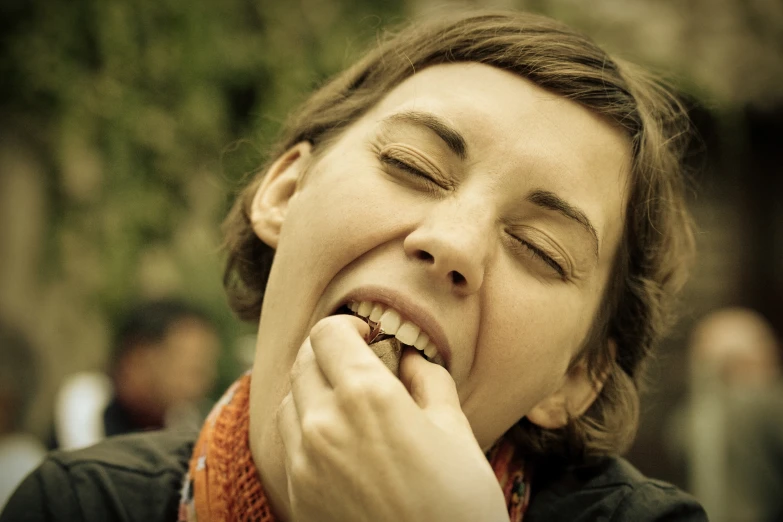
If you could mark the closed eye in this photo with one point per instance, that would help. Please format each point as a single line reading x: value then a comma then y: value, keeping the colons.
x: 399, y: 164
x: 546, y: 258
x: 418, y: 175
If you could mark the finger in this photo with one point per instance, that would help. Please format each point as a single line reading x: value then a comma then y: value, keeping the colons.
x: 288, y: 426
x: 435, y: 392
x: 429, y: 384
x: 309, y: 386
x: 339, y: 346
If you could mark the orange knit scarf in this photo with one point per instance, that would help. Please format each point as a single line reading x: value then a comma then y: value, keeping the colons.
x: 222, y: 483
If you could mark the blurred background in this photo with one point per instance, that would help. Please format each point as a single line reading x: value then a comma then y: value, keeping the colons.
x: 126, y: 128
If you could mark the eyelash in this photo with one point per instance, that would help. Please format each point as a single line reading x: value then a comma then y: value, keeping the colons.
x: 406, y: 167
x: 544, y: 257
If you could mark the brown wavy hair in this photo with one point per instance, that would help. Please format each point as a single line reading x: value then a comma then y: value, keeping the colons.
x: 650, y: 263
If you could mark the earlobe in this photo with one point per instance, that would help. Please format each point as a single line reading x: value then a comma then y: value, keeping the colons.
x: 281, y: 182
x: 550, y: 413
x: 575, y: 396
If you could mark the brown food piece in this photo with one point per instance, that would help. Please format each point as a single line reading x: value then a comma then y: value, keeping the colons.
x: 389, y: 351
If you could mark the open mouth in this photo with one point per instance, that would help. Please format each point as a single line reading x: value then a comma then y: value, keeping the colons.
x: 388, y: 324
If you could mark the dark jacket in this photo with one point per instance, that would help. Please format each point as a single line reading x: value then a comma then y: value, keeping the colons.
x: 138, y: 478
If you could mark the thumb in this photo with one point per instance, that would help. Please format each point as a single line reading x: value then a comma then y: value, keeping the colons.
x: 435, y: 392
x: 429, y: 384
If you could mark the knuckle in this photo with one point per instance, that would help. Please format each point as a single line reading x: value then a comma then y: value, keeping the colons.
x: 363, y: 389
x: 298, y: 466
x: 312, y: 426
x: 353, y: 389
x: 317, y: 433
x: 336, y: 325
x: 327, y: 326
x: 300, y: 472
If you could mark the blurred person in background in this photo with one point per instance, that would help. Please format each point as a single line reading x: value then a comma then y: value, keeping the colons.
x: 163, y: 366
x: 500, y: 205
x: 20, y: 452
x: 731, y: 431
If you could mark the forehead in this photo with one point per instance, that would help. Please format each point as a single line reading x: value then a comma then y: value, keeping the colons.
x: 496, y: 109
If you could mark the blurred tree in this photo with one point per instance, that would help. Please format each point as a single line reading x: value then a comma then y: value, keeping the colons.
x: 128, y: 125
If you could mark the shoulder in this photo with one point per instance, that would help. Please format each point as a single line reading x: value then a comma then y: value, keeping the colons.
x: 609, y: 489
x: 145, y: 454
x: 126, y: 478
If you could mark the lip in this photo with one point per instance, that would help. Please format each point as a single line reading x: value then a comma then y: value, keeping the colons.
x: 409, y: 309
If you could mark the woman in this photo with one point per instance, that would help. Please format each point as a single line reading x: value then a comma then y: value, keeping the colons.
x: 504, y: 199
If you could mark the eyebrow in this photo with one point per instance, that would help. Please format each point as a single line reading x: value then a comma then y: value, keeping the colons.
x: 551, y: 201
x: 446, y: 132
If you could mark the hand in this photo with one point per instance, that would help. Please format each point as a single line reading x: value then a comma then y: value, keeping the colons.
x: 362, y: 445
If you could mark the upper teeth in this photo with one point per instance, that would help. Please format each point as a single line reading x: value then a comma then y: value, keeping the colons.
x: 392, y: 324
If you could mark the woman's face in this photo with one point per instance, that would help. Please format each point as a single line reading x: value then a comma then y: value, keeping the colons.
x: 483, y: 208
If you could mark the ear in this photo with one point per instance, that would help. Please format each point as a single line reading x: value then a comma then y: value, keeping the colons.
x: 280, y: 184
x: 574, y: 397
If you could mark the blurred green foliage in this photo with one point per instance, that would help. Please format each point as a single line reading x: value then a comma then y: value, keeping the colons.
x: 140, y: 119
x: 146, y: 116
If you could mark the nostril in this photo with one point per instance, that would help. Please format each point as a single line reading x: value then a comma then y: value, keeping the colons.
x: 457, y: 278
x: 425, y: 256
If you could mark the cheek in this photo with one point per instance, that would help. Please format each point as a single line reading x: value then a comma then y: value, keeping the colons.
x: 527, y: 324
x: 526, y: 340
x: 526, y: 354
x: 339, y: 214
x: 345, y: 211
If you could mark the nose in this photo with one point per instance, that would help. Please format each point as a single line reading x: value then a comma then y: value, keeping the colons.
x: 453, y: 242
